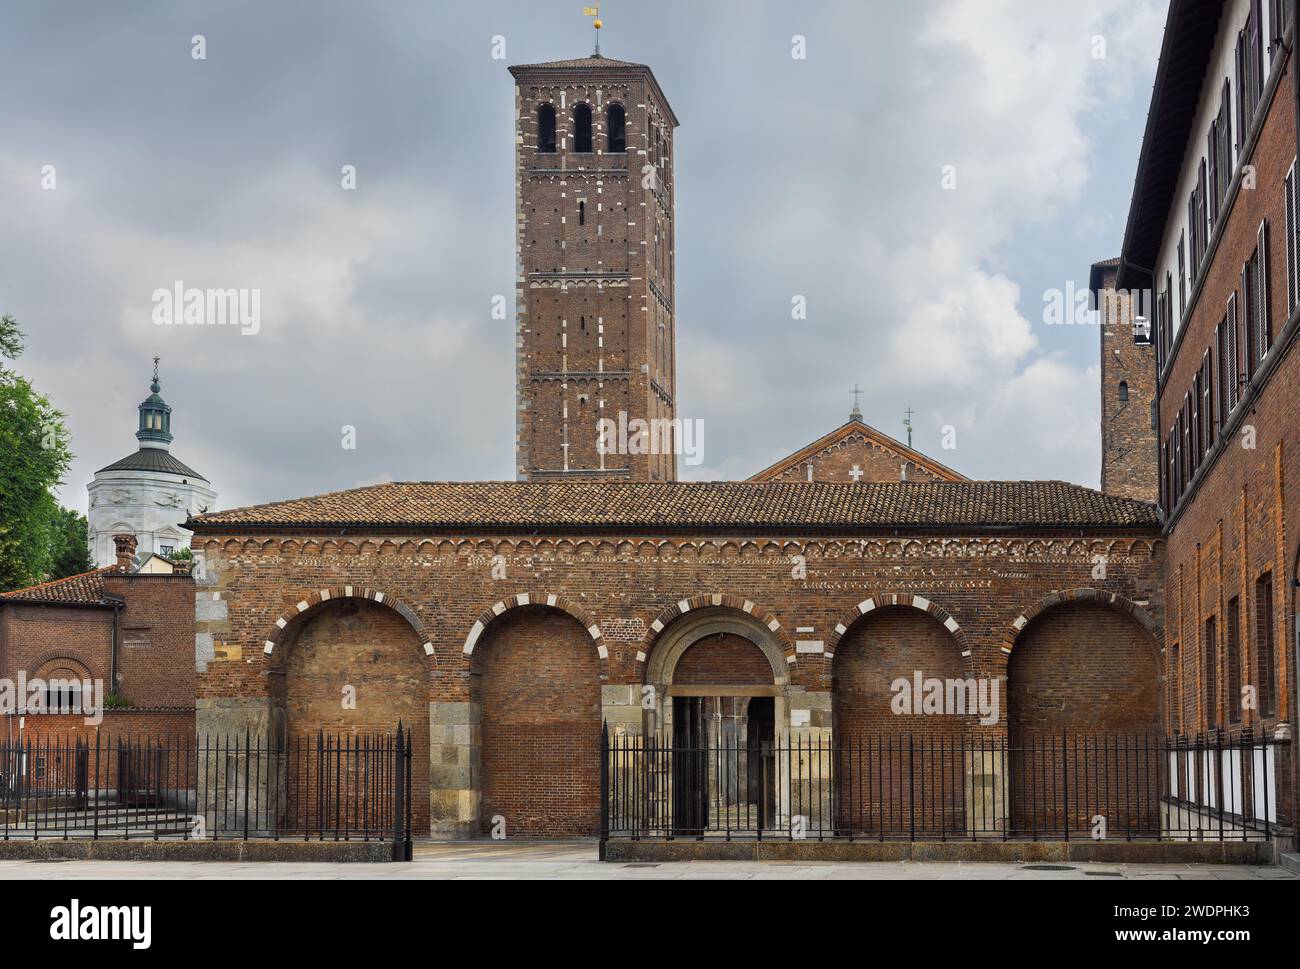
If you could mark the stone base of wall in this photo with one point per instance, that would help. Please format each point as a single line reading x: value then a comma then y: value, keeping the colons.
x: 287, y: 850
x: 1019, y: 852
x: 232, y: 715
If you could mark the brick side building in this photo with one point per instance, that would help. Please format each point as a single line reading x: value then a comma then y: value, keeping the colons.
x: 1212, y: 231
x: 130, y: 630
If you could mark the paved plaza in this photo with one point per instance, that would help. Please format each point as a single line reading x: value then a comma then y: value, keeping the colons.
x: 577, y: 860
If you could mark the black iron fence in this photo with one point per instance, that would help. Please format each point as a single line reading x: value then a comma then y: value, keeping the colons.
x: 310, y: 787
x: 911, y: 787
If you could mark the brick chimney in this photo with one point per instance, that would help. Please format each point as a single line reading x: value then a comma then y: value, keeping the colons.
x: 125, y: 545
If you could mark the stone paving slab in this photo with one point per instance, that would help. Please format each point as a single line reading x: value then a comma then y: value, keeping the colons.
x: 577, y: 861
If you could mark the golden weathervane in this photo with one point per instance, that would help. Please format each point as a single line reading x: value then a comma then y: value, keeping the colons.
x: 594, y: 12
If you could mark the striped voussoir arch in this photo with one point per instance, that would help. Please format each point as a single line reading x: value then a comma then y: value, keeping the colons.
x: 1111, y: 600
x: 884, y: 599
x: 318, y: 596
x: 717, y: 600
x: 548, y: 599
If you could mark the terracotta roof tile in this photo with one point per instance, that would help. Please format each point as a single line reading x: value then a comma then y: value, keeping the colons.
x: 590, y: 62
x: 512, y: 504
x: 86, y: 589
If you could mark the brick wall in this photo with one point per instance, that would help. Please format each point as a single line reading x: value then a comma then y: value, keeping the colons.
x: 876, y: 463
x: 537, y: 679
x: 156, y: 638
x: 723, y: 660
x: 155, y: 647
x: 444, y: 588
x: 1116, y: 690
x: 880, y: 648
x: 356, y: 670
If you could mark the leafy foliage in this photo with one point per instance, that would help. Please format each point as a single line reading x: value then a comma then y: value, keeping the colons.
x: 71, y: 551
x: 34, y: 456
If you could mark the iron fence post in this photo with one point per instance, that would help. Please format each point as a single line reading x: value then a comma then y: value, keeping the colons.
x: 604, y: 788
x: 399, y: 798
x: 1065, y: 784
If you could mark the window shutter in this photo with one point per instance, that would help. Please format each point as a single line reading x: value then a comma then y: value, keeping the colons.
x: 1242, y: 84
x: 1289, y: 192
x: 1225, y: 133
x: 1256, y: 53
x: 1263, y: 337
x: 1232, y: 372
x: 1246, y: 352
x: 1194, y: 427
x: 1207, y: 405
x: 1212, y: 153
x: 1218, y: 363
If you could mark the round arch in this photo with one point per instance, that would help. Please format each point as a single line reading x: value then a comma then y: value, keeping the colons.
x: 718, y: 600
x: 316, y: 598
x: 696, y: 624
x: 1110, y: 600
x: 887, y: 599
x: 548, y: 599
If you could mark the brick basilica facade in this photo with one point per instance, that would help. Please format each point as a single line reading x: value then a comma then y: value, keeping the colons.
x: 505, y: 622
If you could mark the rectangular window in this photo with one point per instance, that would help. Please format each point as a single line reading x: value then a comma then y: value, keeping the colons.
x: 1265, y: 666
x: 1210, y: 675
x: 1232, y: 651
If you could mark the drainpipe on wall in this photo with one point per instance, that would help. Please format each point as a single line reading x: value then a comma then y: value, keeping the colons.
x: 112, y: 656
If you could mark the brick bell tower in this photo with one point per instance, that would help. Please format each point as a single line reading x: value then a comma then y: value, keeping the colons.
x: 1129, y: 462
x: 595, y: 332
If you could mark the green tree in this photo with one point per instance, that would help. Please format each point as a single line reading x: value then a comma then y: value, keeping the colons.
x: 71, y: 549
x: 34, y: 456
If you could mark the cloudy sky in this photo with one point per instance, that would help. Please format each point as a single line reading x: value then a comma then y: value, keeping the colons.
x: 819, y: 177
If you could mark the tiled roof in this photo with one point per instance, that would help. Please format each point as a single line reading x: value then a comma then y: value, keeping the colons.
x: 153, y: 459
x: 86, y: 589
x: 590, y: 62
x: 631, y: 505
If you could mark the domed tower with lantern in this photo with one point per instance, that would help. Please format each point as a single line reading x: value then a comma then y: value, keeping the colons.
x: 147, y: 494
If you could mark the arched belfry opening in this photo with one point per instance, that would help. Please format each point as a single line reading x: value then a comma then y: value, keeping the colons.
x: 546, y: 128
x: 616, y: 128
x: 582, y: 128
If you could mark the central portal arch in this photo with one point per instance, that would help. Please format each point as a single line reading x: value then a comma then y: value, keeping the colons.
x: 718, y: 679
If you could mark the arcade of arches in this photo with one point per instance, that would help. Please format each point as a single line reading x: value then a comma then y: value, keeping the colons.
x: 538, y: 692
x: 506, y: 681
